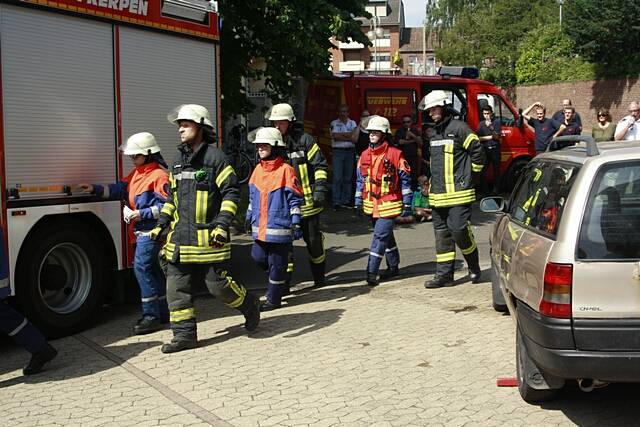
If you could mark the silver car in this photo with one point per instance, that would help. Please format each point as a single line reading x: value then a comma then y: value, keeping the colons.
x: 565, y: 254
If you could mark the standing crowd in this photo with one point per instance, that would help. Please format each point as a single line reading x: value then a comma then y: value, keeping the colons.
x: 181, y: 213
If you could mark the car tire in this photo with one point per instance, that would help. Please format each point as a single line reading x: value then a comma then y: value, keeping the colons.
x: 525, y: 368
x: 497, y: 298
x: 514, y: 172
x: 61, y: 277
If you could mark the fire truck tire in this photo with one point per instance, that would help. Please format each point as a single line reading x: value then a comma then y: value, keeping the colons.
x: 61, y: 278
x: 514, y: 171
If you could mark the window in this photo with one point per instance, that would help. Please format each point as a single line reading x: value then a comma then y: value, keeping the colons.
x: 540, y: 195
x: 382, y: 57
x: 500, y: 109
x: 611, y: 225
x: 392, y: 103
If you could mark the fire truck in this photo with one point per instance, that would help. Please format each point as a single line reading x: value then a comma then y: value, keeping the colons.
x: 77, y: 78
x: 396, y: 96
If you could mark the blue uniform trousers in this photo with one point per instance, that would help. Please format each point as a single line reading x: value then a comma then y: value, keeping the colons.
x: 383, y: 245
x: 272, y: 257
x: 151, y: 279
x: 20, y: 329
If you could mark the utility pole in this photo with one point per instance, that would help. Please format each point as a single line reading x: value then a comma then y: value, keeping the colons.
x: 560, y: 3
x: 424, y: 47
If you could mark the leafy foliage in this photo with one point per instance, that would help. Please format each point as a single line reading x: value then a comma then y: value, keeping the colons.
x: 291, y: 36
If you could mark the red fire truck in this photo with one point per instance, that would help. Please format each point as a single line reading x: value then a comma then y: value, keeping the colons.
x: 395, y: 96
x: 78, y: 77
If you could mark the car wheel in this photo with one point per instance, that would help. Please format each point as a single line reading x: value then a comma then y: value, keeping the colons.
x: 528, y: 372
x: 61, y: 278
x: 497, y: 298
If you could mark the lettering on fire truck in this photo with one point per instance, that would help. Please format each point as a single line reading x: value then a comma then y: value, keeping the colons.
x: 138, y: 7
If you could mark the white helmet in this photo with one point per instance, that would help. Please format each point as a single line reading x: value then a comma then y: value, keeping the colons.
x: 434, y: 99
x: 378, y: 123
x: 140, y: 143
x: 192, y: 112
x: 271, y: 136
x: 280, y: 112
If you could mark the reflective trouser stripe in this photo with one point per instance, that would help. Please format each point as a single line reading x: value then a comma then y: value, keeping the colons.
x: 467, y: 251
x: 149, y: 299
x: 448, y: 256
x: 182, y: 315
x: 19, y: 328
x: 238, y: 290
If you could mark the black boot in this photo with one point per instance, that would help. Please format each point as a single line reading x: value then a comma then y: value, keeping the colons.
x: 251, y: 309
x: 268, y: 306
x: 372, y: 279
x: 147, y: 325
x: 439, y: 281
x: 317, y: 271
x: 390, y: 272
x: 39, y: 359
x: 475, y: 275
x: 179, y: 344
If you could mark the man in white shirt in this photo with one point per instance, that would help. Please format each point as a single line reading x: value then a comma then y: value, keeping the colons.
x: 628, y: 129
x: 343, y: 160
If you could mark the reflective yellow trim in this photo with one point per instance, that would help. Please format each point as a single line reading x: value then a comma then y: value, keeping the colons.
x: 182, y: 315
x: 224, y: 175
x: 229, y: 206
x: 476, y: 167
x: 451, y: 199
x: 204, y: 249
x: 384, y: 189
x: 538, y: 174
x: 201, y: 206
x: 308, y: 211
x: 446, y: 257
x: 472, y: 239
x: 290, y: 267
x: 204, y: 258
x: 203, y: 237
x: 238, y: 290
x: 470, y: 138
x: 304, y: 181
x: 168, y: 209
x: 312, y: 152
x: 320, y: 174
x: 320, y: 259
x: 449, y: 179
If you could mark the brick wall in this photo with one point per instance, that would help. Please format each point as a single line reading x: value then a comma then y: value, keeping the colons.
x: 614, y: 94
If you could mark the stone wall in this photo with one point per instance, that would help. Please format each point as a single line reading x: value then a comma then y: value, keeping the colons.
x: 614, y: 94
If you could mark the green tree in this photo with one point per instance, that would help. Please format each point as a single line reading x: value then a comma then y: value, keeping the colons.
x: 291, y: 36
x: 547, y: 54
x: 606, y: 32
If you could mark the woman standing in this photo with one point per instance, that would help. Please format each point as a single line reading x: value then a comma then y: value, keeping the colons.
x: 603, y: 130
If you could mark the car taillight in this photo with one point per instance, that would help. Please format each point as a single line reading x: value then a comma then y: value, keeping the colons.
x: 556, y: 300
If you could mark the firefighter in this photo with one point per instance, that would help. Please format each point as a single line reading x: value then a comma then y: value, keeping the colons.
x: 274, y: 213
x: 383, y: 191
x: 145, y: 190
x: 202, y: 200
x: 455, y: 154
x: 18, y: 327
x: 311, y: 169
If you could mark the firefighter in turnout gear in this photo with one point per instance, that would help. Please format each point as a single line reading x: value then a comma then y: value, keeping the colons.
x: 202, y: 200
x: 455, y: 153
x: 307, y: 159
x: 383, y: 191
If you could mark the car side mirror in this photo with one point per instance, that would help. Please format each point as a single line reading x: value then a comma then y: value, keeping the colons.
x: 519, y: 120
x: 492, y: 204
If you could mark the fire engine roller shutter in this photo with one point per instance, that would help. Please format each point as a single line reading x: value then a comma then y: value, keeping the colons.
x: 57, y: 77
x: 159, y: 72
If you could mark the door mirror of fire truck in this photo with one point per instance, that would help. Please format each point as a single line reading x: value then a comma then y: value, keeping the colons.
x: 519, y: 120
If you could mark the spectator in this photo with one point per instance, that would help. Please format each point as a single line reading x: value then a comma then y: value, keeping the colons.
x: 490, y: 134
x: 344, y: 158
x: 603, y: 129
x: 568, y: 126
x: 558, y: 116
x: 543, y: 127
x: 360, y: 135
x: 407, y: 138
x: 626, y: 129
x: 420, y: 207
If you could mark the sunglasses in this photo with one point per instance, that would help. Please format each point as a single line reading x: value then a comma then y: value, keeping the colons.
x: 602, y: 115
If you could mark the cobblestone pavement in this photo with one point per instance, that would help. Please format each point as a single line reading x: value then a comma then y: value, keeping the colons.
x: 342, y: 354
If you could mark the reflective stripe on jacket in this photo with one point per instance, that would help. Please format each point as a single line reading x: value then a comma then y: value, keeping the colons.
x: 455, y: 153
x: 275, y: 198
x: 383, y: 181
x: 310, y: 166
x: 203, y: 193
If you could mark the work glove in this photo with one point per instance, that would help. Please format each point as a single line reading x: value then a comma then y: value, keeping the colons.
x: 155, y: 233
x: 406, y: 210
x: 296, y: 230
x: 219, y: 237
x: 318, y: 198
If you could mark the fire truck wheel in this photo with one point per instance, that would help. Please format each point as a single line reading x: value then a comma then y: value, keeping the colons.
x: 61, y: 278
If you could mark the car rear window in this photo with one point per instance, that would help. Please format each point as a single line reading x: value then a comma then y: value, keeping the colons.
x: 539, y: 198
x: 611, y: 224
